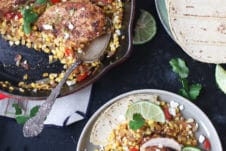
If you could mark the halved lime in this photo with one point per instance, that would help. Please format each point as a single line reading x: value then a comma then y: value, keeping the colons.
x: 189, y: 148
x: 220, y: 76
x: 145, y: 28
x: 148, y: 110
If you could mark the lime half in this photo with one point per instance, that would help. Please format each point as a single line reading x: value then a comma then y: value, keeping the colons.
x: 191, y: 149
x: 220, y: 76
x: 145, y: 28
x: 148, y: 110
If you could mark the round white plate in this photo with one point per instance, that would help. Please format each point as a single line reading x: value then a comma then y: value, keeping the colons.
x: 206, y: 128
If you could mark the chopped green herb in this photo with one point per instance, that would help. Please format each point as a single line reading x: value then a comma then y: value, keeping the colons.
x: 137, y: 122
x: 17, y: 108
x: 191, y: 92
x: 178, y: 66
x: 41, y: 1
x: 21, y: 119
x: 34, y: 111
x: 195, y: 91
x: 29, y: 17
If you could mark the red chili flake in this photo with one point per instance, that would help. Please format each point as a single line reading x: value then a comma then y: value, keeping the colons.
x: 133, y: 149
x: 68, y: 52
x: 82, y: 76
x: 207, y: 144
x: 167, y: 113
x: 55, y: 1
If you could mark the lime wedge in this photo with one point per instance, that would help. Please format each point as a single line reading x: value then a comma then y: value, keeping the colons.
x: 145, y: 28
x: 148, y: 110
x: 220, y: 76
x: 191, y: 149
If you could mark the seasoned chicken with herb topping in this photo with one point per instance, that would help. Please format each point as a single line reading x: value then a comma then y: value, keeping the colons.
x: 75, y: 22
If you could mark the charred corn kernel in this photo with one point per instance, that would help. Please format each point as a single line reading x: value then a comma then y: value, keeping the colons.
x: 45, y: 74
x: 11, y: 88
x: 21, y: 90
x: 25, y: 77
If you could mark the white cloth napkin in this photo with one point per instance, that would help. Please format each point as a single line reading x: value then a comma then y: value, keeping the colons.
x: 65, y: 111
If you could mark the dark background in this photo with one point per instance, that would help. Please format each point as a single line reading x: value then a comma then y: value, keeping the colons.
x: 147, y: 67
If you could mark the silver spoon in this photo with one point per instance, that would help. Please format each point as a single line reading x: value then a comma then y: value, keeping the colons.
x: 35, y: 125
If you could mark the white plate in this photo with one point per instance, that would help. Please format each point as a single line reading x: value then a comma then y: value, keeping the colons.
x: 190, y: 111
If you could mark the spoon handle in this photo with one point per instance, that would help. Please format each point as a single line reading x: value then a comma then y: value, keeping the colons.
x: 34, y: 125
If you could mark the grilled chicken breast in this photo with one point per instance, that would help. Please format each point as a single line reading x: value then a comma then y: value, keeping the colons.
x: 9, y: 5
x: 155, y: 148
x: 76, y: 22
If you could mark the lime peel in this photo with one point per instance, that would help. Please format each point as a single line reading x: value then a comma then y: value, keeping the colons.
x: 147, y: 109
x: 190, y: 148
x: 145, y: 28
x: 220, y: 76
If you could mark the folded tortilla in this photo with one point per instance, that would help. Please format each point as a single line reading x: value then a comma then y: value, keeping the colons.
x: 199, y: 27
x: 113, y: 116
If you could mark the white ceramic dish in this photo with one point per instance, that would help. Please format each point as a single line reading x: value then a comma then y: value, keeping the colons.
x: 190, y: 111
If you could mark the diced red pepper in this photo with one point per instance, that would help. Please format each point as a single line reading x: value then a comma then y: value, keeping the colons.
x: 19, y: 15
x: 2, y: 96
x: 167, y: 113
x: 12, y: 15
x: 9, y: 15
x: 133, y: 149
x: 206, y: 144
x: 68, y: 52
x: 82, y: 76
x: 55, y: 1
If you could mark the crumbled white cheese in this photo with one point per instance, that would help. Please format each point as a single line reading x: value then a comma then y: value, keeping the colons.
x: 172, y: 111
x: 181, y: 107
x: 66, y: 35
x: 70, y: 26
x: 16, y: 17
x: 190, y: 120
x: 201, y: 139
x: 83, y: 8
x: 80, y: 50
x: 160, y: 146
x: 196, y: 126
x: 47, y: 27
x: 174, y: 104
x: 118, y: 32
x: 70, y: 82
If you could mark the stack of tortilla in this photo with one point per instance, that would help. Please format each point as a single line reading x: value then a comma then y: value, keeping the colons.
x: 199, y: 27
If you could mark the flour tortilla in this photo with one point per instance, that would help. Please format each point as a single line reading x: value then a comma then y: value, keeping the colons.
x: 113, y: 116
x: 199, y: 27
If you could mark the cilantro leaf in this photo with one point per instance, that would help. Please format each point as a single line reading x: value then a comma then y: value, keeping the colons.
x: 190, y: 92
x: 184, y: 93
x: 184, y: 83
x: 178, y: 66
x: 34, y: 111
x: 29, y: 17
x: 21, y: 119
x: 27, y: 27
x: 137, y: 122
x: 41, y: 1
x: 17, y: 108
x: 194, y: 91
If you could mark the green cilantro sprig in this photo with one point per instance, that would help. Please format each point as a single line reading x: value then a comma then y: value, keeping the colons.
x: 188, y: 91
x: 137, y: 122
x: 21, y: 119
x: 30, y: 16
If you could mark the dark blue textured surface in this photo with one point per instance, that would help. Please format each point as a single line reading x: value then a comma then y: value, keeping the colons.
x: 146, y: 68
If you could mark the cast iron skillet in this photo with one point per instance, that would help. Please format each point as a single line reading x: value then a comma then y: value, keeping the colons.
x: 38, y: 62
